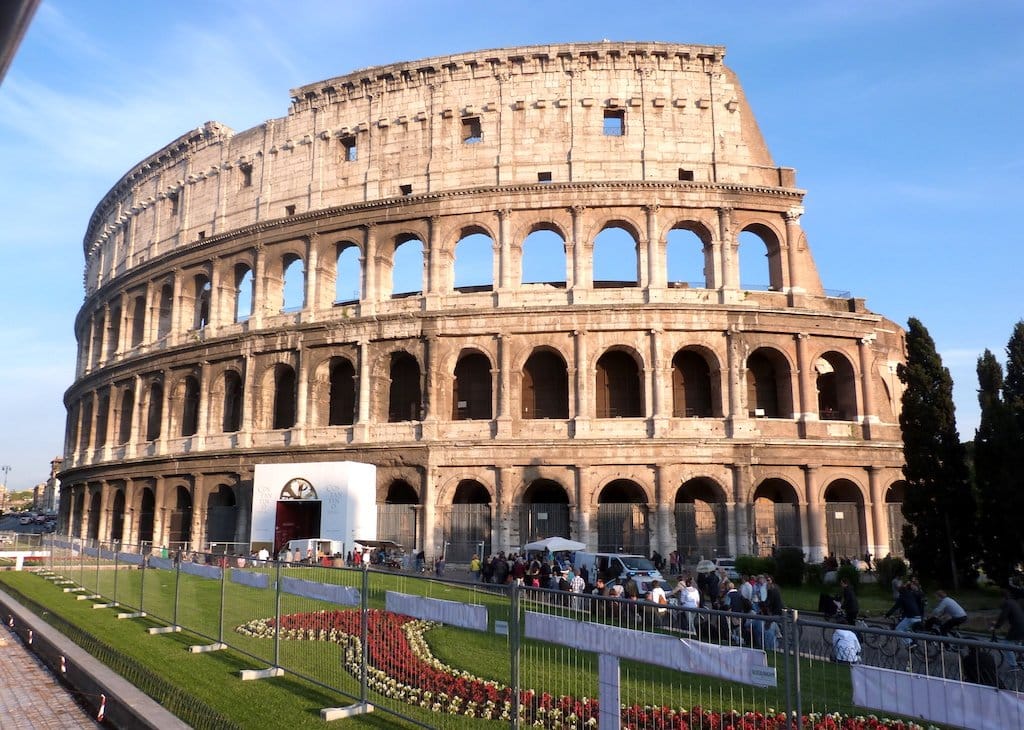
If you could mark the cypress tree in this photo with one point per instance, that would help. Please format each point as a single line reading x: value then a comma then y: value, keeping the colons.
x: 939, y: 537
x: 996, y: 448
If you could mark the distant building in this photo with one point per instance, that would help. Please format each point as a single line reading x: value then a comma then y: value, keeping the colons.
x: 510, y: 280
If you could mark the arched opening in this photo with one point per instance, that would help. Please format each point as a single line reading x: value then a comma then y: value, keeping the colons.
x: 124, y: 426
x: 342, y: 399
x: 85, y: 431
x: 759, y: 260
x: 543, y: 259
x: 77, y: 512
x: 622, y: 519
x: 102, y: 416
x: 693, y: 392
x: 166, y: 310
x: 684, y: 259
x: 397, y: 518
x: 545, y: 386
x: 544, y: 511
x: 404, y: 396
x: 243, y: 293
x: 232, y: 416
x: 221, y: 517
x: 844, y: 519
x: 147, y: 510
x: 894, y: 497
x: 619, y: 387
x: 471, y: 391
x: 468, y: 527
x: 837, y: 388
x: 776, y: 517
x: 180, y: 532
x: 138, y: 320
x: 284, y: 396
x: 348, y: 286
x: 769, y: 391
x: 407, y: 269
x: 616, y: 261
x: 98, y: 325
x: 293, y: 289
x: 92, y: 530
x: 114, y: 335
x: 700, y: 521
x: 201, y: 311
x: 474, y: 263
x: 190, y: 407
x: 117, y: 517
x: 154, y: 411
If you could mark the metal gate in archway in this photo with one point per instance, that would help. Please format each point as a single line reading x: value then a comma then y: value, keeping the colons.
x: 843, y: 526
x: 543, y: 519
x: 622, y: 527
x: 467, y: 528
x: 896, y: 523
x: 700, y: 530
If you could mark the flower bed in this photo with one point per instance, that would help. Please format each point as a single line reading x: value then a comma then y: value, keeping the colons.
x: 402, y: 667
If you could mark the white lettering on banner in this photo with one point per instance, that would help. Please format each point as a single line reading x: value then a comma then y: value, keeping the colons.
x: 735, y: 663
x: 935, y: 699
x: 452, y: 613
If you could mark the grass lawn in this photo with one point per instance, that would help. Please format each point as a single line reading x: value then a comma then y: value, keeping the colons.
x: 294, y: 702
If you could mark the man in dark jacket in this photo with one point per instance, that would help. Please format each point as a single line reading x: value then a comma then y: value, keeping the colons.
x: 851, y: 607
x: 908, y: 606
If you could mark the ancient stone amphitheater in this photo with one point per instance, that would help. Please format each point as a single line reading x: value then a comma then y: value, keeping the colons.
x: 549, y: 290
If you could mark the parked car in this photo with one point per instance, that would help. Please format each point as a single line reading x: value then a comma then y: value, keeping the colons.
x: 26, y: 520
x: 730, y: 567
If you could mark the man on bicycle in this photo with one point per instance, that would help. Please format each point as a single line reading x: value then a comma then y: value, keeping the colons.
x: 909, y: 608
x: 948, y: 614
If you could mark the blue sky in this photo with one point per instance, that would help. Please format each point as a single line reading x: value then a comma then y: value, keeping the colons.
x: 904, y: 121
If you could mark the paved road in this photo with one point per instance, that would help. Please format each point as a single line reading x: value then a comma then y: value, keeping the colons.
x: 30, y: 697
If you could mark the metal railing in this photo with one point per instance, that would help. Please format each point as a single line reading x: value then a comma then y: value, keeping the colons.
x: 450, y: 653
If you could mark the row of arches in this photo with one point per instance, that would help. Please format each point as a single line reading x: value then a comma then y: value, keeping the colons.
x: 321, y: 272
x: 191, y: 401
x: 701, y: 520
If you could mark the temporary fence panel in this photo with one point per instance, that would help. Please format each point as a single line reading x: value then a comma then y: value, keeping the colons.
x: 200, y: 594
x: 251, y: 607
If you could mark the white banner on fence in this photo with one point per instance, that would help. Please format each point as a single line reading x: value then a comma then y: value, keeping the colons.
x: 452, y: 613
x: 937, y: 700
x: 203, y: 571
x: 734, y: 663
x: 253, y: 580
x: 342, y: 595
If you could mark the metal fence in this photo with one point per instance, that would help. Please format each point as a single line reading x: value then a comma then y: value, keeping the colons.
x: 457, y: 653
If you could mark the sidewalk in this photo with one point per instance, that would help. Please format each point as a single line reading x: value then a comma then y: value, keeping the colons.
x: 31, y: 698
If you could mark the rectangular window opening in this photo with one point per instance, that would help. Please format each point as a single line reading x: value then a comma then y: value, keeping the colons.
x: 289, y: 210
x: 349, y: 145
x: 686, y: 175
x: 543, y: 177
x: 173, y: 197
x: 405, y: 189
x: 614, y: 122
x: 246, y: 175
x: 471, y: 131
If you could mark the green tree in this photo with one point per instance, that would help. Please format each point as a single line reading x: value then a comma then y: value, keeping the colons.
x: 940, y: 535
x: 997, y: 445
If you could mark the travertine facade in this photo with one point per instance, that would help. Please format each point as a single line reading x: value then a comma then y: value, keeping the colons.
x: 370, y: 279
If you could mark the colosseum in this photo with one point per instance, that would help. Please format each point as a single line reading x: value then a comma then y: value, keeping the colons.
x: 548, y: 290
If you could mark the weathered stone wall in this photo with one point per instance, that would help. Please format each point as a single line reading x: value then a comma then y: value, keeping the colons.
x: 801, y: 394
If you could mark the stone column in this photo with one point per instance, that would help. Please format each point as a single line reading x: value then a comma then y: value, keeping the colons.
x: 433, y: 285
x: 432, y: 535
x: 361, y: 430
x: 249, y: 400
x: 217, y: 299
x: 501, y: 538
x: 582, y: 504
x: 371, y: 271
x: 816, y: 539
x: 879, y: 534
x: 739, y: 533
x: 580, y: 277
x: 430, y: 390
x: 656, y: 386
x: 301, y: 399
x: 311, y: 310
x: 203, y: 417
x: 792, y: 249
x: 736, y: 391
x: 259, y: 287
x: 197, y: 529
x: 805, y: 380
x: 177, y: 315
x: 103, y: 522
x: 503, y: 281
x: 867, y: 384
x: 101, y: 356
x: 504, y: 386
x: 730, y: 276
x: 666, y: 542
x: 580, y: 372
x: 657, y: 270
x: 138, y: 416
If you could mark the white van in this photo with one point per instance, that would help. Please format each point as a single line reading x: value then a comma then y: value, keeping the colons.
x: 616, y: 566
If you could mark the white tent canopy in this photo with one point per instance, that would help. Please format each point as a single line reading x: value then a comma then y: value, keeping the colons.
x: 555, y: 545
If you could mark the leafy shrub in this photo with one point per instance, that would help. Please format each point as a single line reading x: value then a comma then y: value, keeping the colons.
x: 789, y: 566
x: 888, y: 568
x: 754, y: 565
x: 814, y: 574
x: 850, y: 573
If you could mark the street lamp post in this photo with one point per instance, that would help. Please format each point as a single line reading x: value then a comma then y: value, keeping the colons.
x: 3, y: 488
